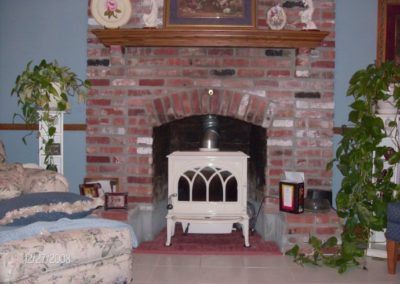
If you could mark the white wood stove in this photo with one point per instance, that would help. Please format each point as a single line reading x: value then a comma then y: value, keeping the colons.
x: 207, y: 193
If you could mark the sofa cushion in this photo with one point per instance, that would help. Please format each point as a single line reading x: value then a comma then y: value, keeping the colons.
x: 46, y: 206
x: 11, y: 180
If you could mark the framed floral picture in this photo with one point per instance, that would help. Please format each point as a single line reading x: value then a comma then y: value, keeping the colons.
x: 388, y: 41
x: 209, y: 13
x: 116, y: 200
x: 90, y: 190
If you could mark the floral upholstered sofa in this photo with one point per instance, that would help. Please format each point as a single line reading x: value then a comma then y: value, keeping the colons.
x: 15, y: 179
x: 48, y: 235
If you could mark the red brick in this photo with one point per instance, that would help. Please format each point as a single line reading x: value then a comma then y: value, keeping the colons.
x: 238, y: 62
x: 195, y: 73
x: 280, y: 133
x: 178, y: 62
x: 99, y: 102
x: 138, y: 92
x: 195, y: 103
x: 179, y: 83
x: 300, y: 218
x: 135, y: 179
x: 140, y: 199
x: 97, y: 140
x: 323, y: 64
x: 134, y: 112
x: 186, y: 104
x: 151, y: 82
x: 275, y: 172
x: 165, y: 51
x: 97, y: 159
x: 278, y: 73
x: 205, y: 103
x: 112, y: 150
x: 326, y: 230
x: 252, y: 73
x: 220, y: 51
x: 266, y: 83
x: 139, y: 191
x: 177, y: 105
x: 299, y: 230
x: 115, y: 214
x: 99, y: 82
x: 109, y: 169
x: 234, y: 105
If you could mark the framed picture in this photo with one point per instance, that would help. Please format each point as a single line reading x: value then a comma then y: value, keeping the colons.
x: 388, y: 41
x: 209, y: 13
x: 116, y: 200
x: 107, y: 184
x: 90, y: 189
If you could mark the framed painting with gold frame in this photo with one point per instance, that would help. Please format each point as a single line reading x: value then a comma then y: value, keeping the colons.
x: 388, y: 40
x: 209, y: 14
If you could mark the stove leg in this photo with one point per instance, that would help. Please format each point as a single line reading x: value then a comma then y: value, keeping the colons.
x: 170, y: 231
x: 245, y: 231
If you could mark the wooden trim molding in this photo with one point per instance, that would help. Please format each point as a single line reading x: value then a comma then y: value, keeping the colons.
x: 19, y: 126
x: 82, y: 127
x: 175, y: 37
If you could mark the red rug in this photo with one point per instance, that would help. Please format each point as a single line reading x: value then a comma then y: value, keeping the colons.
x: 208, y: 244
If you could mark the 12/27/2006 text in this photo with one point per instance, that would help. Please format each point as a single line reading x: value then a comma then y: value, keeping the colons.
x: 47, y: 258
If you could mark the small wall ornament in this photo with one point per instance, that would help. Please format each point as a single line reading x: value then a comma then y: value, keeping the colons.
x: 151, y: 19
x: 306, y: 15
x: 276, y: 18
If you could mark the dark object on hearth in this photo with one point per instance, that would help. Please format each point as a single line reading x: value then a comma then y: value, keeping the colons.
x: 318, y: 201
x: 317, y: 205
x: 313, y: 193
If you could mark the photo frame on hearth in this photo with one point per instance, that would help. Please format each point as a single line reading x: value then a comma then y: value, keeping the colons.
x: 209, y: 14
x: 90, y: 189
x: 107, y: 184
x: 116, y: 200
x: 388, y: 31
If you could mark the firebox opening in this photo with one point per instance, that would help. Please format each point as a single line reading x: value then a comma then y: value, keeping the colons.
x: 186, y: 135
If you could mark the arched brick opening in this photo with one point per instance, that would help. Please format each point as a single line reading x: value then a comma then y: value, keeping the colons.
x: 239, y: 105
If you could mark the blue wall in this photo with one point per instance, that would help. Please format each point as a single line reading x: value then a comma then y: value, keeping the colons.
x: 56, y: 29
x: 35, y: 30
x: 356, y: 26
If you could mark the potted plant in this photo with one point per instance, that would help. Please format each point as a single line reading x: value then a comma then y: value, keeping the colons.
x: 366, y: 165
x: 43, y: 90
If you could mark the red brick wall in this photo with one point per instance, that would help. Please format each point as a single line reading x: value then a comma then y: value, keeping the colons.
x: 287, y: 91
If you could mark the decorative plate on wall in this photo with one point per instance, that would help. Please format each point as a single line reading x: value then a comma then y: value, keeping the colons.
x: 111, y: 13
x: 276, y: 18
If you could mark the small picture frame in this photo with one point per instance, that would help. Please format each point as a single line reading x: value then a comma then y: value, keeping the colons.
x: 116, y: 200
x: 107, y: 184
x: 90, y: 189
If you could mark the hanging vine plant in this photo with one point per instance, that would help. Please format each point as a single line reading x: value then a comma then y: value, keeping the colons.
x: 367, y: 167
x: 42, y: 90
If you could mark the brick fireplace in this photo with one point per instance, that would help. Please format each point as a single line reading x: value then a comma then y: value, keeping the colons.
x: 286, y: 91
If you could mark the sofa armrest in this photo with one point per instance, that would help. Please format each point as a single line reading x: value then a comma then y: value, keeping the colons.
x: 39, y: 180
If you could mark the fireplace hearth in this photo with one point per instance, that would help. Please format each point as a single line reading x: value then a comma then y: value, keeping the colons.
x: 273, y: 104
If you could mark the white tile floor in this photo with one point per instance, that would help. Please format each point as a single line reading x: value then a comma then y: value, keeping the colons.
x: 182, y: 269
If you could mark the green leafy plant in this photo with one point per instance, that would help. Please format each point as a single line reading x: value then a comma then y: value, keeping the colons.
x: 367, y: 168
x: 42, y: 90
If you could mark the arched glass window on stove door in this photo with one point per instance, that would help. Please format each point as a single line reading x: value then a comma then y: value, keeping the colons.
x: 208, y: 184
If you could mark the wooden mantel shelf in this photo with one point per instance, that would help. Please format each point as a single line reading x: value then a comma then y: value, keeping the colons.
x: 211, y: 37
